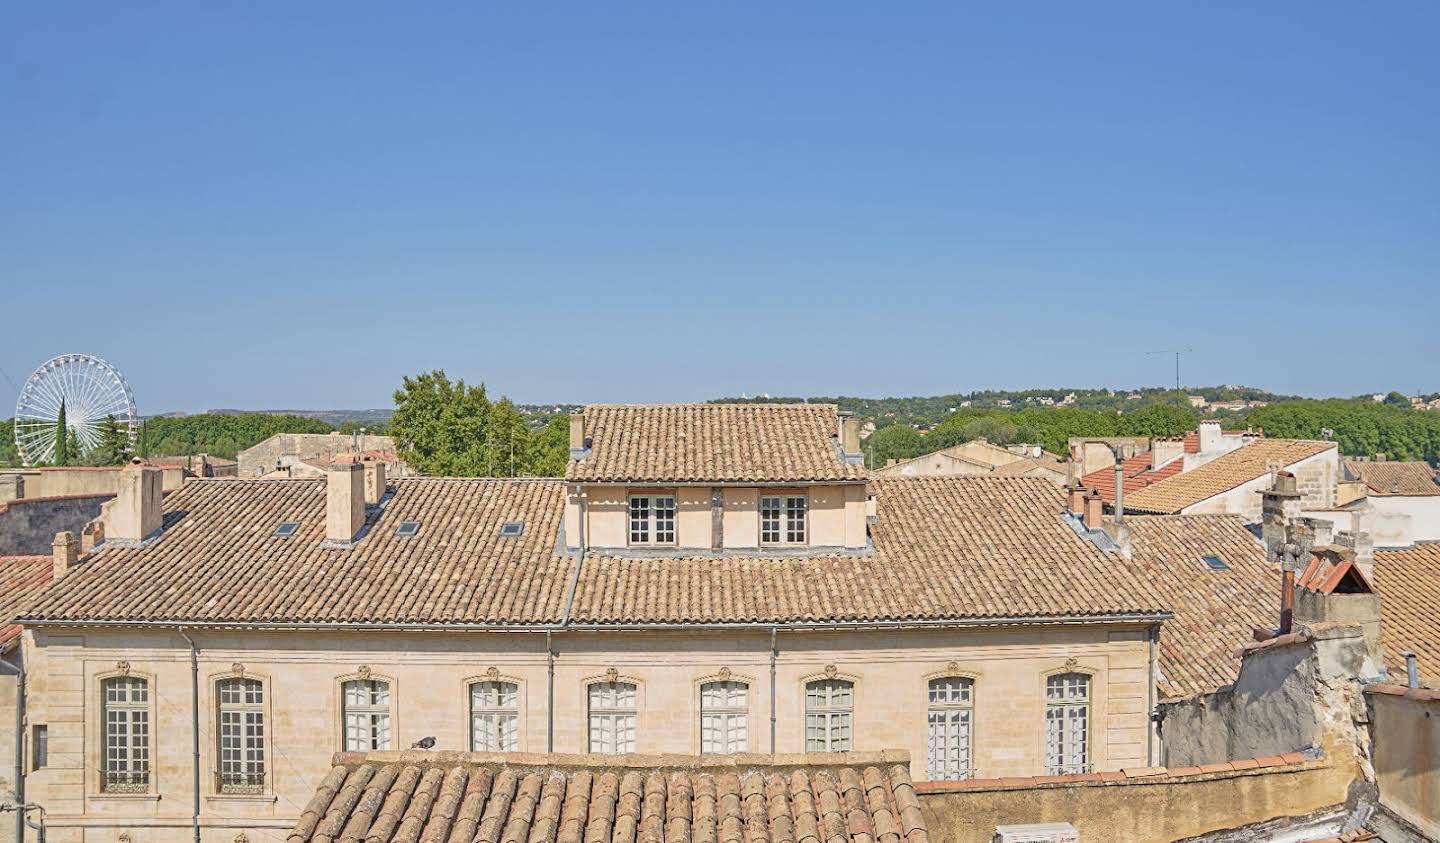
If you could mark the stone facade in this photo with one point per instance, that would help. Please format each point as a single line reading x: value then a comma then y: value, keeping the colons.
x: 429, y: 674
x: 28, y: 526
x: 283, y: 449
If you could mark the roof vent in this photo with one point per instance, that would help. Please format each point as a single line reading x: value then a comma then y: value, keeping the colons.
x: 407, y: 529
x: 511, y: 529
x: 1215, y: 563
x: 285, y: 530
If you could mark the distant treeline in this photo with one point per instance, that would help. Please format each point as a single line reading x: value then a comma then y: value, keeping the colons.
x: 218, y: 435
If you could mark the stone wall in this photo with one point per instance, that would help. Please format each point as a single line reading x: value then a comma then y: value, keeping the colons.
x: 289, y: 447
x: 28, y: 526
x: 1140, y: 806
x: 429, y: 674
x: 1405, y: 725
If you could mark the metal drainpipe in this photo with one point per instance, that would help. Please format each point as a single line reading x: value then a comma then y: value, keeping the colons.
x: 549, y: 694
x: 774, y: 653
x: 1150, y: 636
x: 194, y: 729
x: 19, y: 671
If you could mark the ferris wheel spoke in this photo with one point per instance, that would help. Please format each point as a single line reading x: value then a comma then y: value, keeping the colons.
x: 89, y: 389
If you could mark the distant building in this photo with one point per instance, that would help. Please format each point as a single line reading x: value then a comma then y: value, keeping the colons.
x: 275, y: 456
x: 980, y: 457
x: 1196, y: 401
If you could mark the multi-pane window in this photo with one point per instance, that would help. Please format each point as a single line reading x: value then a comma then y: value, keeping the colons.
x: 126, y: 712
x: 1067, y: 723
x: 652, y: 519
x: 829, y: 713
x: 241, y: 735
x: 494, y: 717
x: 612, y: 717
x: 782, y: 519
x: 724, y: 710
x: 367, y: 715
x: 951, y: 701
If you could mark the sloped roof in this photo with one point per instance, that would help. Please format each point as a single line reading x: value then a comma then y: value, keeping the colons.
x: 719, y: 443
x: 459, y: 796
x: 1395, y: 478
x: 1222, y: 474
x: 21, y: 579
x: 1408, y: 581
x: 1138, y: 475
x: 944, y: 548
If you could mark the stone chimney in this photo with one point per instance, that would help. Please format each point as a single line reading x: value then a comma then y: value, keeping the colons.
x: 1279, y: 510
x: 92, y: 535
x: 138, y: 510
x: 1094, y: 510
x: 344, y: 500
x: 1077, y: 500
x: 1363, y: 547
x: 374, y: 482
x: 579, y: 444
x: 849, y: 434
x: 1165, y: 450
x: 12, y: 487
x: 1210, y: 436
x: 65, y: 550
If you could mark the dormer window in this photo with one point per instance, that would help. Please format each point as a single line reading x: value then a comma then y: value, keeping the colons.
x: 652, y: 519
x: 782, y: 519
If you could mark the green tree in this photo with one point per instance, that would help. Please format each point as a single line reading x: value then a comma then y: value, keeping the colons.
x: 1158, y: 420
x: 114, y: 445
x: 1398, y: 399
x: 896, y: 442
x: 62, y: 438
x: 9, y: 454
x: 549, y: 450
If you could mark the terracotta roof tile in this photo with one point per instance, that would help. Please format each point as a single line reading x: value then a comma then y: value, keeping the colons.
x: 22, y: 578
x: 1408, y: 581
x: 1138, y: 475
x: 454, y: 796
x: 761, y: 443
x: 1222, y: 474
x: 1395, y: 478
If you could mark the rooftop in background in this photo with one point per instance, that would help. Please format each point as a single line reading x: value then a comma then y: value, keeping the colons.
x: 1384, y: 477
x: 720, y: 443
x: 857, y: 797
x: 1222, y: 474
x: 1138, y: 474
x: 1408, y: 581
x: 21, y: 578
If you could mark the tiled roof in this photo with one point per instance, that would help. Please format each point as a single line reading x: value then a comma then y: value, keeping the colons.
x: 21, y: 578
x: 218, y: 560
x: 1395, y: 478
x: 1215, y: 611
x: 1031, y: 467
x: 944, y: 547
x: 1409, y: 584
x: 1222, y: 474
x: 757, y: 443
x: 454, y: 797
x: 1138, y: 475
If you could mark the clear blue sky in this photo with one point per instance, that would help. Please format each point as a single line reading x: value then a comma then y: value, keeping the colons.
x: 293, y: 204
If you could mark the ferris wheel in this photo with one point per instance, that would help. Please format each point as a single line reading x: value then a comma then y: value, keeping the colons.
x: 88, y: 389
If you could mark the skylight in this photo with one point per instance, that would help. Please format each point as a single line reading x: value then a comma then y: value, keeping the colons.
x: 407, y: 529
x: 286, y: 529
x: 1215, y: 563
x: 511, y: 529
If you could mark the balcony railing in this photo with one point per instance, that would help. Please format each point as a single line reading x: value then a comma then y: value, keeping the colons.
x: 124, y: 781
x: 240, y: 782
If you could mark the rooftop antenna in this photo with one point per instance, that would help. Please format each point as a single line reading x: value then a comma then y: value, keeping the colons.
x: 1177, y: 353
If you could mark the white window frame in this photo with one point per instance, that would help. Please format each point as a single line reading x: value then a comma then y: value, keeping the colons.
x: 612, y: 725
x: 950, y: 727
x: 650, y: 529
x: 494, y: 704
x: 365, y: 722
x: 724, y: 716
x: 790, y: 524
x: 125, y: 761
x: 1067, y: 722
x: 244, y: 722
x: 829, y: 715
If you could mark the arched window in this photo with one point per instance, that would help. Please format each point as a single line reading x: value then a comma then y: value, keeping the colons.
x: 127, y: 734
x: 367, y: 715
x: 951, y: 701
x: 829, y: 711
x: 724, y: 712
x: 241, y: 734
x: 1067, y: 724
x: 612, y: 717
x: 494, y: 717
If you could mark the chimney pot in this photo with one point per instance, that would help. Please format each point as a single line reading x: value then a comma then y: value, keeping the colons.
x: 374, y: 482
x: 577, y: 432
x: 344, y: 500
x: 1077, y: 501
x: 64, y: 552
x: 1094, y: 510
x: 139, y: 506
x: 849, y: 434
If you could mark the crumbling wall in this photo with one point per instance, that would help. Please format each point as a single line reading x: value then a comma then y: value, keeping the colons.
x: 28, y: 526
x: 1406, y: 730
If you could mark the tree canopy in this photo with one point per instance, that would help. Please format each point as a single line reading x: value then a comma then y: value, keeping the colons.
x: 221, y: 435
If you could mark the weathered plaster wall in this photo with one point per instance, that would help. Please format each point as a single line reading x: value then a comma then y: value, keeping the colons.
x: 429, y: 675
x: 1141, y: 810
x: 28, y: 526
x: 1405, y: 728
x: 7, y: 753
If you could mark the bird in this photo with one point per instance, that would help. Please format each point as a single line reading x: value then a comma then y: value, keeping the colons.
x: 424, y: 743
